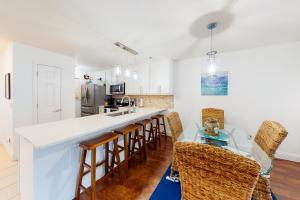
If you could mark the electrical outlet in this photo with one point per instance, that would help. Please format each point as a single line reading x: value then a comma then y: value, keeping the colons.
x: 249, y: 137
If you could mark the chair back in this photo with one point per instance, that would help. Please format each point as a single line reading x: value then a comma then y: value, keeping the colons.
x: 175, y: 125
x: 208, y: 172
x: 267, y: 140
x: 269, y: 136
x: 215, y: 113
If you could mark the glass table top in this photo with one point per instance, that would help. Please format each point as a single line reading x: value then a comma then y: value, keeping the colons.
x: 230, y: 138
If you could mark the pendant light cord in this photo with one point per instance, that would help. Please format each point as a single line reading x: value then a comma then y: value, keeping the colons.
x: 211, y: 30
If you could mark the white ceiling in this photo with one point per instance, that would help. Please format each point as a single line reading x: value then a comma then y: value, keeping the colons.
x: 158, y: 28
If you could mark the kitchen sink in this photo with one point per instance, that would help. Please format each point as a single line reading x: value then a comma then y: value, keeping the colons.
x: 118, y: 114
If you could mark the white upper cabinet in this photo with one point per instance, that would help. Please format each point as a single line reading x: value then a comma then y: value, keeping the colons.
x: 161, y: 77
x: 155, y: 78
x: 138, y: 82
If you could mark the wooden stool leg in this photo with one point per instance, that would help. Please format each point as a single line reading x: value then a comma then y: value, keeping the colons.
x: 106, y: 157
x: 138, y: 141
x: 129, y: 143
x: 126, y: 152
x: 158, y: 133
x: 165, y: 130
x: 93, y: 174
x: 153, y: 135
x: 144, y: 142
x: 135, y: 140
x: 118, y: 162
x: 112, y: 162
x: 80, y: 174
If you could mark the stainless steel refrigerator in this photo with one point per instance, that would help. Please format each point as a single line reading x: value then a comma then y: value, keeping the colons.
x: 92, y: 96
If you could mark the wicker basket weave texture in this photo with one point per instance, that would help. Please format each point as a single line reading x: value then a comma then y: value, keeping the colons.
x: 269, y: 136
x: 215, y: 113
x: 176, y: 131
x: 175, y: 125
x: 262, y: 189
x: 208, y: 172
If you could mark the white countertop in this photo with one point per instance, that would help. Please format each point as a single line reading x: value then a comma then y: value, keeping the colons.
x: 48, y: 134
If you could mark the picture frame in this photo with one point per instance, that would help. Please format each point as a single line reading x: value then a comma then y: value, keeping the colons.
x: 7, y: 86
x: 214, y: 84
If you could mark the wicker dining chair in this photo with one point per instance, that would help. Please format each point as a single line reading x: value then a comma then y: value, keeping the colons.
x: 215, y: 113
x: 267, y: 140
x: 176, y: 131
x: 209, y: 173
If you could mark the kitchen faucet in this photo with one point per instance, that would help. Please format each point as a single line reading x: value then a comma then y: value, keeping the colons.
x: 129, y: 105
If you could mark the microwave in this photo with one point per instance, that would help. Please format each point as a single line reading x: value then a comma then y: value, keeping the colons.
x: 117, y: 88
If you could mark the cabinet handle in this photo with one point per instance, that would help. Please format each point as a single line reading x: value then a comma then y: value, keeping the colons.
x: 58, y: 110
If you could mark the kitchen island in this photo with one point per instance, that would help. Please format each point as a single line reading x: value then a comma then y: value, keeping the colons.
x: 49, y: 153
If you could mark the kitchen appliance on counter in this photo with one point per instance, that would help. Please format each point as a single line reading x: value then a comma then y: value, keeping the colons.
x: 117, y: 88
x: 92, y: 96
x: 125, y: 102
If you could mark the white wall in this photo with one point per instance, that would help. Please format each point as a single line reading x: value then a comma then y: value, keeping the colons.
x: 6, y: 106
x: 263, y: 84
x: 25, y: 60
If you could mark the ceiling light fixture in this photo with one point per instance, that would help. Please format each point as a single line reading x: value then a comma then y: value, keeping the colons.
x: 212, y: 67
x: 126, y: 48
x: 135, y: 74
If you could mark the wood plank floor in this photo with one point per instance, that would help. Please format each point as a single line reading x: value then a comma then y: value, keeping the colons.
x: 143, y: 178
x: 8, y: 177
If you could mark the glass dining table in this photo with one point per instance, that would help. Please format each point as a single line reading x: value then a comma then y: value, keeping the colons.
x: 230, y: 138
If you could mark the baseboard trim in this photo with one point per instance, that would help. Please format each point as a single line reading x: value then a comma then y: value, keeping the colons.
x: 279, y: 154
x: 288, y: 156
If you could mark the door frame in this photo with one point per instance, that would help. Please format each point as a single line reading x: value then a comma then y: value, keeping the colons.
x: 35, y: 90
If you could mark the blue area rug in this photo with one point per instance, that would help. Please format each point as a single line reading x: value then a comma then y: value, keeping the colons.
x: 168, y: 190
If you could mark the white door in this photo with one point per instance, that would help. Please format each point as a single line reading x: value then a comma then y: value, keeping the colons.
x: 48, y: 94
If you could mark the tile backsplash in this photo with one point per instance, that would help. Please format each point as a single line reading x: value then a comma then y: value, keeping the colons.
x: 153, y: 101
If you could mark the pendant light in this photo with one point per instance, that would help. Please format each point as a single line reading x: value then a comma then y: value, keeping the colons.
x: 135, y: 74
x: 212, y: 67
x: 117, y: 66
x: 127, y: 72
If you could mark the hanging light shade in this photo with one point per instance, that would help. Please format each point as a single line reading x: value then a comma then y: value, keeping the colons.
x: 211, y: 61
x: 127, y: 73
x: 134, y: 75
x: 118, y: 70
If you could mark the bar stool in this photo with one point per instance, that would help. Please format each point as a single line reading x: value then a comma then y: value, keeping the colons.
x: 151, y: 137
x: 157, y: 127
x: 91, y: 145
x: 129, y: 147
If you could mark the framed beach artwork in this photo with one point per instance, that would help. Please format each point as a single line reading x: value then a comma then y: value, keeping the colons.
x: 214, y: 85
x: 7, y: 86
